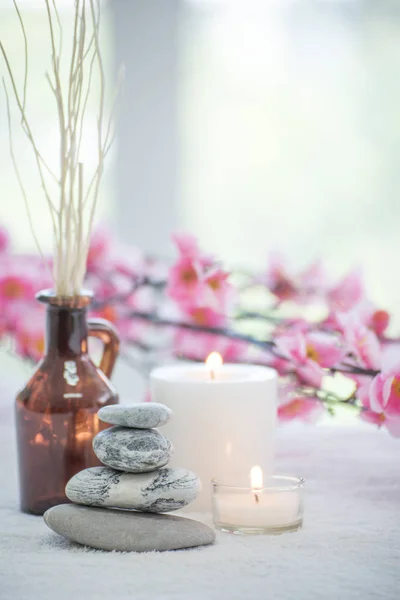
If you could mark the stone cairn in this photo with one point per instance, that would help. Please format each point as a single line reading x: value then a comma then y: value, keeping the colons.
x: 118, y: 506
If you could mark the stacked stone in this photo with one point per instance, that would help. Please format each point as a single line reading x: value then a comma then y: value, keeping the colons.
x: 135, y: 455
x: 134, y: 477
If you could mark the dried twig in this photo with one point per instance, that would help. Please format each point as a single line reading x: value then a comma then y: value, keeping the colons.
x: 25, y: 54
x: 73, y: 214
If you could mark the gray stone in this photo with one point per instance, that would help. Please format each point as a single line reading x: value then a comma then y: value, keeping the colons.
x: 126, y: 531
x: 132, y: 450
x: 159, y: 491
x: 144, y: 415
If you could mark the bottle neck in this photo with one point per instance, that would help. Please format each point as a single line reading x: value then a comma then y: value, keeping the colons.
x: 66, y: 331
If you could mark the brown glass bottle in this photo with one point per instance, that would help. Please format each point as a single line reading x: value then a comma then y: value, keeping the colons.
x: 56, y: 413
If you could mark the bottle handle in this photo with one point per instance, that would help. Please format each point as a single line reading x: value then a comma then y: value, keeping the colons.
x: 107, y: 333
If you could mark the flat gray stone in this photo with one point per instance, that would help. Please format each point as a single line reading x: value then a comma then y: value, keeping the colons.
x: 144, y: 415
x: 132, y: 450
x: 159, y: 491
x: 126, y: 531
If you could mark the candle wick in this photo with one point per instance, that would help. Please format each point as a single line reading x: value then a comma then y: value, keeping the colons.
x: 256, y: 498
x: 212, y: 374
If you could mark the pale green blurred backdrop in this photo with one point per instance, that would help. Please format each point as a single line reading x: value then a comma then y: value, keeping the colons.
x: 288, y: 132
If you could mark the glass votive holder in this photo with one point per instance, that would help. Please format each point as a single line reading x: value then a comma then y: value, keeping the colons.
x: 275, y: 508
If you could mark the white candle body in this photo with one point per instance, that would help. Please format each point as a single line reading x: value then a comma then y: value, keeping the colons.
x: 281, y: 509
x: 219, y: 428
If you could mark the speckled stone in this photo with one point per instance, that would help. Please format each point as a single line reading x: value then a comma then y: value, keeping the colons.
x: 132, y: 450
x: 126, y: 531
x: 160, y: 491
x: 144, y: 415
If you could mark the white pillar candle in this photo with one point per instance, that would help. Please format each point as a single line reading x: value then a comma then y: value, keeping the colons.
x: 223, y: 420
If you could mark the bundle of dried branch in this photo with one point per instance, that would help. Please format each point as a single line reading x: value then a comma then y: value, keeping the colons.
x: 72, y: 208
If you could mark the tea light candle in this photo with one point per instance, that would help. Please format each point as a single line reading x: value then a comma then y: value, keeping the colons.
x: 223, y: 419
x: 275, y: 508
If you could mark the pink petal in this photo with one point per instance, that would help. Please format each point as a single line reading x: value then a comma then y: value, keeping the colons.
x: 375, y: 393
x: 293, y: 347
x: 362, y: 342
x: 372, y: 417
x: 326, y: 348
x: 371, y: 351
x: 393, y: 426
x: 187, y: 244
x: 348, y: 292
x: 310, y: 373
x: 363, y: 392
x: 386, y: 391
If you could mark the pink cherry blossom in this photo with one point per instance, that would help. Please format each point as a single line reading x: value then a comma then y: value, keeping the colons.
x: 185, y: 281
x: 347, y: 293
x: 186, y: 276
x: 384, y: 398
x: 198, y: 285
x: 390, y: 360
x: 362, y: 344
x: 197, y: 291
x: 310, y: 353
x: 363, y: 384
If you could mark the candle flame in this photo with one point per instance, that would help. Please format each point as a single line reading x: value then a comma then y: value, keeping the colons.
x: 214, y: 362
x: 256, y: 477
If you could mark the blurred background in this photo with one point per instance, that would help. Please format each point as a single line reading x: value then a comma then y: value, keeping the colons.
x: 254, y: 124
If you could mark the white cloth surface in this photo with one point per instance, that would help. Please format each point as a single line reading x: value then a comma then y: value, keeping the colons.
x: 349, y: 547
